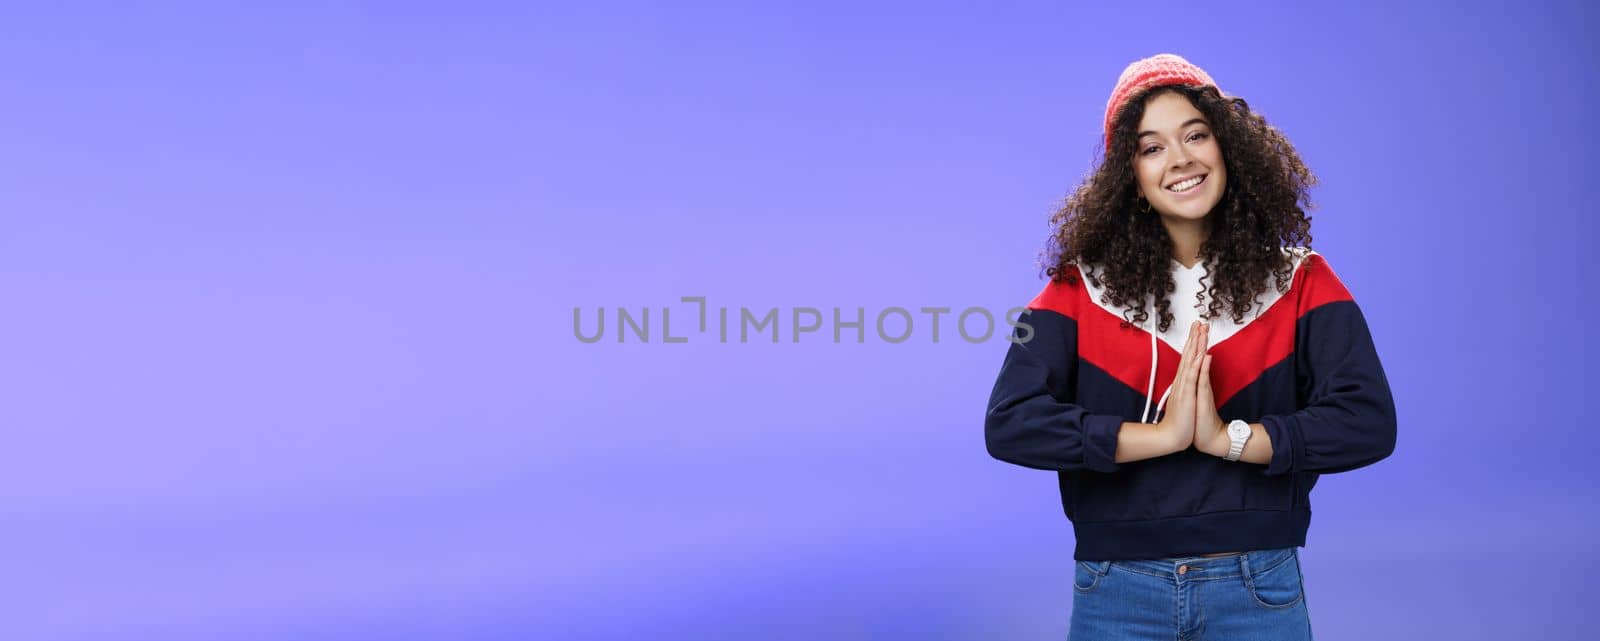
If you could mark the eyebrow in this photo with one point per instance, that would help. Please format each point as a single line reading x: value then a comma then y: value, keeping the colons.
x: 1185, y: 125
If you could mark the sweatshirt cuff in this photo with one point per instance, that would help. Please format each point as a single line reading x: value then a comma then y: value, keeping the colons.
x: 1100, y: 442
x: 1285, y: 444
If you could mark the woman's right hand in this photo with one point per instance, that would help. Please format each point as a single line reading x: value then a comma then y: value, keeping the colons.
x: 1178, y: 421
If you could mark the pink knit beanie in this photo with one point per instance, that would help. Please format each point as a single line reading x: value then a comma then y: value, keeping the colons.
x: 1156, y: 71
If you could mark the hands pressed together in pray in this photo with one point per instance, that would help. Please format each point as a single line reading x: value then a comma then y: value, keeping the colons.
x: 1191, y: 417
x: 1191, y: 412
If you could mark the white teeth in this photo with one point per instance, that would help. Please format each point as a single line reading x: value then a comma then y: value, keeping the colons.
x: 1187, y: 184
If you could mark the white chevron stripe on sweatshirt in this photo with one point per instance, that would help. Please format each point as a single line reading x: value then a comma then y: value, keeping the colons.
x: 1186, y: 310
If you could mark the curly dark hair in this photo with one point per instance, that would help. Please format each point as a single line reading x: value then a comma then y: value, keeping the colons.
x: 1262, y: 210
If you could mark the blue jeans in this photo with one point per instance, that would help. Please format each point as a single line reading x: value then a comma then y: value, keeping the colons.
x: 1256, y: 595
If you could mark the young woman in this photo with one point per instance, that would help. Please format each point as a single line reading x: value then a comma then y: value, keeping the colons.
x: 1190, y: 370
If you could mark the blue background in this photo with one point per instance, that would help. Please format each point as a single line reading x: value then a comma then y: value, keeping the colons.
x: 288, y: 348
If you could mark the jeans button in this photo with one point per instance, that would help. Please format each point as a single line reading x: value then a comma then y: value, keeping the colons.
x: 1183, y: 569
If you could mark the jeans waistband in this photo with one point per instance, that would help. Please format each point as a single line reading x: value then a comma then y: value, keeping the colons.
x: 1199, y: 568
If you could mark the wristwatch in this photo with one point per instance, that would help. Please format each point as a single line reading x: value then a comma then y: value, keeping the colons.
x: 1238, y: 433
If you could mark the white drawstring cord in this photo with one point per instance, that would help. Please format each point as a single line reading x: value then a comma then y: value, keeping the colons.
x: 1150, y: 388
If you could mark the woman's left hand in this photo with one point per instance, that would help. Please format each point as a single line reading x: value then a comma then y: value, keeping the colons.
x: 1210, y: 433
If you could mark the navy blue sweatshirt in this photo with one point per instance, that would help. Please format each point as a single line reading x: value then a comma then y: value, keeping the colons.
x: 1302, y: 364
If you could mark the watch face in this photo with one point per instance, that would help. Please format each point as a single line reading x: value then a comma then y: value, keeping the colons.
x: 1238, y: 430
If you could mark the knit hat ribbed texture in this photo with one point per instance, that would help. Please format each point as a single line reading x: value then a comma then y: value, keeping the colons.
x: 1156, y: 71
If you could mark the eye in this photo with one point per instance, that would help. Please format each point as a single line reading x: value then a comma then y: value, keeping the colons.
x: 1199, y: 135
x: 1150, y: 150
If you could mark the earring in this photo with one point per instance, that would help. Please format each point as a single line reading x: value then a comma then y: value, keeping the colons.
x: 1144, y: 205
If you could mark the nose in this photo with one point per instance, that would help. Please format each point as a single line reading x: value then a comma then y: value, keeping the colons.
x: 1180, y: 157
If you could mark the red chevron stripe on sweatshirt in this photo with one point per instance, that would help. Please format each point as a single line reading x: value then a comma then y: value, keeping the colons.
x: 1263, y: 341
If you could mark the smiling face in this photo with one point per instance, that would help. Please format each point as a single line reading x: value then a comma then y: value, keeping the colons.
x: 1176, y: 148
